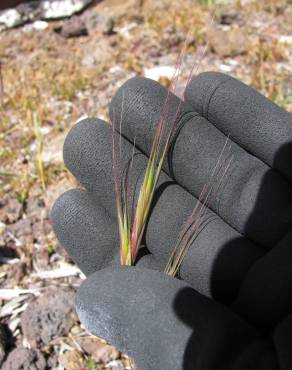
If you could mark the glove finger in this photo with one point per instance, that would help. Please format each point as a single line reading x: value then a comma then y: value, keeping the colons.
x: 254, y: 122
x: 87, y: 154
x: 144, y: 260
x: 265, y: 295
x: 89, y: 233
x: 251, y: 190
x: 148, y: 261
x: 85, y: 230
x: 163, y: 323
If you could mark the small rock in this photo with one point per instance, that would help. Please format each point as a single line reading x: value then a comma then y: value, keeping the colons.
x: 9, y: 3
x: 157, y: 72
x: 52, y: 9
x: 172, y: 40
x: 97, y: 53
x: 227, y: 42
x: 21, y: 227
x: 99, y: 22
x: 34, y: 10
x: 72, y: 360
x: 36, y: 26
x: 73, y: 27
x: 170, y: 29
x: 154, y: 51
x: 228, y: 16
x: 10, y: 210
x: 89, y: 61
x: 285, y: 39
x: 40, y: 25
x: 29, y: 10
x: 10, y: 18
x: 20, y: 15
x: 49, y: 316
x: 107, y: 26
x: 100, y: 352
x: 16, y: 273
x: 34, y: 205
x: 24, y: 359
x: 21, y: 231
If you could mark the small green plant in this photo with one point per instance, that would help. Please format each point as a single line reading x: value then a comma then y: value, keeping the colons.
x: 8, y: 174
x: 22, y: 196
x: 90, y: 364
x: 39, y: 143
x: 131, y: 229
x: 207, y: 2
x: 50, y: 249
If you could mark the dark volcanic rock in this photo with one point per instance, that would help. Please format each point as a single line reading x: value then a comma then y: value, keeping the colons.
x: 9, y: 3
x: 74, y: 27
x: 16, y: 273
x: 24, y: 359
x: 49, y: 316
x: 10, y: 210
x: 229, y: 16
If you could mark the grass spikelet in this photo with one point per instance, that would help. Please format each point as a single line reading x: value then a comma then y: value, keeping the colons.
x: 121, y: 202
x: 192, y: 227
x: 131, y: 229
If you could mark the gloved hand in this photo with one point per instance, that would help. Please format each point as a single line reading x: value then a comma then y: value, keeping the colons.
x: 230, y: 308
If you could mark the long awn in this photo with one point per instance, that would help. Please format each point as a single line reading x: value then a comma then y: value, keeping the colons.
x: 131, y: 228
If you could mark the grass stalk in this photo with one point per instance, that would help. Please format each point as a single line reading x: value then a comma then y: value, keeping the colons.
x: 39, y: 143
x: 192, y: 227
x: 2, y: 93
x: 131, y: 229
x: 8, y: 174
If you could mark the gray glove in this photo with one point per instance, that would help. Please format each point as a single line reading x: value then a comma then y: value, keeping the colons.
x: 228, y: 309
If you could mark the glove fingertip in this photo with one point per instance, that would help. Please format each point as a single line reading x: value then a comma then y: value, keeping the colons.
x: 200, y: 89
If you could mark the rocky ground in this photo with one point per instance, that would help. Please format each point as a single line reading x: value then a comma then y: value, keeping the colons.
x: 52, y: 73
